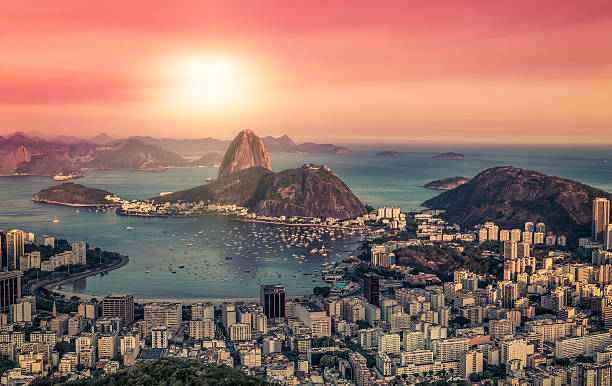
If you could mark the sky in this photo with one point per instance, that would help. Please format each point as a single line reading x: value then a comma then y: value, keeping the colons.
x: 468, y: 71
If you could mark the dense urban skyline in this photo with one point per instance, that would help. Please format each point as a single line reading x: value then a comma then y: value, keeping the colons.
x: 519, y: 72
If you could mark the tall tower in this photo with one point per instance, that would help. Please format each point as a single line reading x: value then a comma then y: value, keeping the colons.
x: 272, y: 298
x: 601, y: 218
x: 371, y: 284
x: 14, y: 248
x: 607, y: 237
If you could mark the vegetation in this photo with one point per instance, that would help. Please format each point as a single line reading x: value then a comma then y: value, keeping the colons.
x: 323, y: 291
x: 5, y: 364
x: 76, y: 194
x: 173, y: 372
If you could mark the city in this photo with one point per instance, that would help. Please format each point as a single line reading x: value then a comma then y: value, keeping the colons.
x: 545, y: 319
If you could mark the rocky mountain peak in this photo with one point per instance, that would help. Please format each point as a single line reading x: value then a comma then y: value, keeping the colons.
x: 246, y: 151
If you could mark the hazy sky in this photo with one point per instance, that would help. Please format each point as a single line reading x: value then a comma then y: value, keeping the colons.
x: 457, y: 71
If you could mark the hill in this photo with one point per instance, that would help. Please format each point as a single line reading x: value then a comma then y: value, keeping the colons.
x: 133, y: 154
x: 172, y: 371
x: 73, y: 194
x: 511, y: 196
x: 450, y: 155
x: 236, y: 188
x: 209, y: 160
x: 446, y: 183
x: 317, y: 148
x: 308, y: 191
x: 246, y: 151
x: 49, y: 164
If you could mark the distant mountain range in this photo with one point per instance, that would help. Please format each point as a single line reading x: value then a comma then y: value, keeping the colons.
x: 23, y: 154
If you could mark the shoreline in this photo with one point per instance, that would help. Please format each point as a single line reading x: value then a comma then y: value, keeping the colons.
x: 75, y: 205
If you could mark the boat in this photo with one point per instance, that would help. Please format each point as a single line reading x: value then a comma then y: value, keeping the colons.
x: 55, y: 220
x: 209, y: 179
x: 129, y: 228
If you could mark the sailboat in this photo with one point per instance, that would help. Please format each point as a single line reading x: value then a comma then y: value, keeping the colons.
x: 55, y: 220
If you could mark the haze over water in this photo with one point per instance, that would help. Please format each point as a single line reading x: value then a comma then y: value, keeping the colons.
x: 376, y: 180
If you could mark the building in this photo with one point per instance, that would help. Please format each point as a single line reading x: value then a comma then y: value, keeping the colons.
x: 128, y: 342
x: 228, y: 315
x: 314, y: 317
x: 202, y: 328
x: 607, y: 241
x: 88, y: 310
x: 448, y: 350
x: 10, y: 289
x: 80, y: 250
x: 240, y: 332
x: 471, y: 363
x: 389, y: 343
x: 14, y: 249
x: 107, y: 346
x: 601, y: 218
x: 119, y: 306
x: 272, y: 299
x: 164, y: 314
x: 200, y: 311
x: 159, y: 337
x: 371, y: 283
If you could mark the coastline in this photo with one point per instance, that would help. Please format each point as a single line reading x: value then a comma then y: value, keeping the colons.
x: 74, y: 205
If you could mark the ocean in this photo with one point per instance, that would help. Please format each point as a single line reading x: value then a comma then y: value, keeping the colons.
x: 231, y: 258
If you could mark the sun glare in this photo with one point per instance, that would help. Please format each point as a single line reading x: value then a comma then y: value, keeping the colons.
x: 209, y: 83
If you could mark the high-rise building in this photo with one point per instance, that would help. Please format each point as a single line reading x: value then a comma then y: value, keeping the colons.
x: 169, y: 315
x: 200, y: 311
x: 607, y: 240
x: 510, y: 250
x: 314, y: 317
x: 272, y: 298
x: 540, y: 227
x: 471, y: 362
x: 601, y: 218
x: 80, y: 250
x: 371, y: 283
x: 119, y: 306
x: 159, y: 337
x: 14, y: 248
x: 228, y: 315
x: 202, y: 328
x: 529, y: 227
x: 10, y: 289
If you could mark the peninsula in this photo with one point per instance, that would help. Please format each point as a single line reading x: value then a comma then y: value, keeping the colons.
x: 446, y: 183
x: 71, y: 194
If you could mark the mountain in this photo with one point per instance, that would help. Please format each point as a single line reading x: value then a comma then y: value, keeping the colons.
x: 511, y: 196
x: 103, y: 139
x: 49, y: 164
x: 73, y: 194
x: 132, y: 154
x: 446, y: 183
x: 390, y: 153
x: 209, y: 160
x: 237, y: 188
x: 308, y: 191
x: 245, y: 151
x: 450, y: 155
x: 10, y: 159
x: 68, y: 139
x: 278, y: 145
x: 187, y: 146
x: 316, y: 148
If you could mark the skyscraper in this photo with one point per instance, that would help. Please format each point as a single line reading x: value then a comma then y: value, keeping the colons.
x: 371, y: 284
x: 607, y: 241
x: 14, y: 248
x: 10, y: 289
x: 80, y: 249
x: 272, y: 298
x: 119, y: 306
x: 601, y: 218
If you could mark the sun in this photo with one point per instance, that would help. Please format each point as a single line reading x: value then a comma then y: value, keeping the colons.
x: 208, y: 83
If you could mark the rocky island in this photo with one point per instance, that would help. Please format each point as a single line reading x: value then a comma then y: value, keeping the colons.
x: 446, y: 183
x: 72, y: 194
x: 390, y: 153
x: 450, y: 155
x: 511, y: 196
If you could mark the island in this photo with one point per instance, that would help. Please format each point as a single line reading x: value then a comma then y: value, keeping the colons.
x: 446, y: 183
x: 71, y: 194
x: 450, y: 155
x: 390, y: 153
